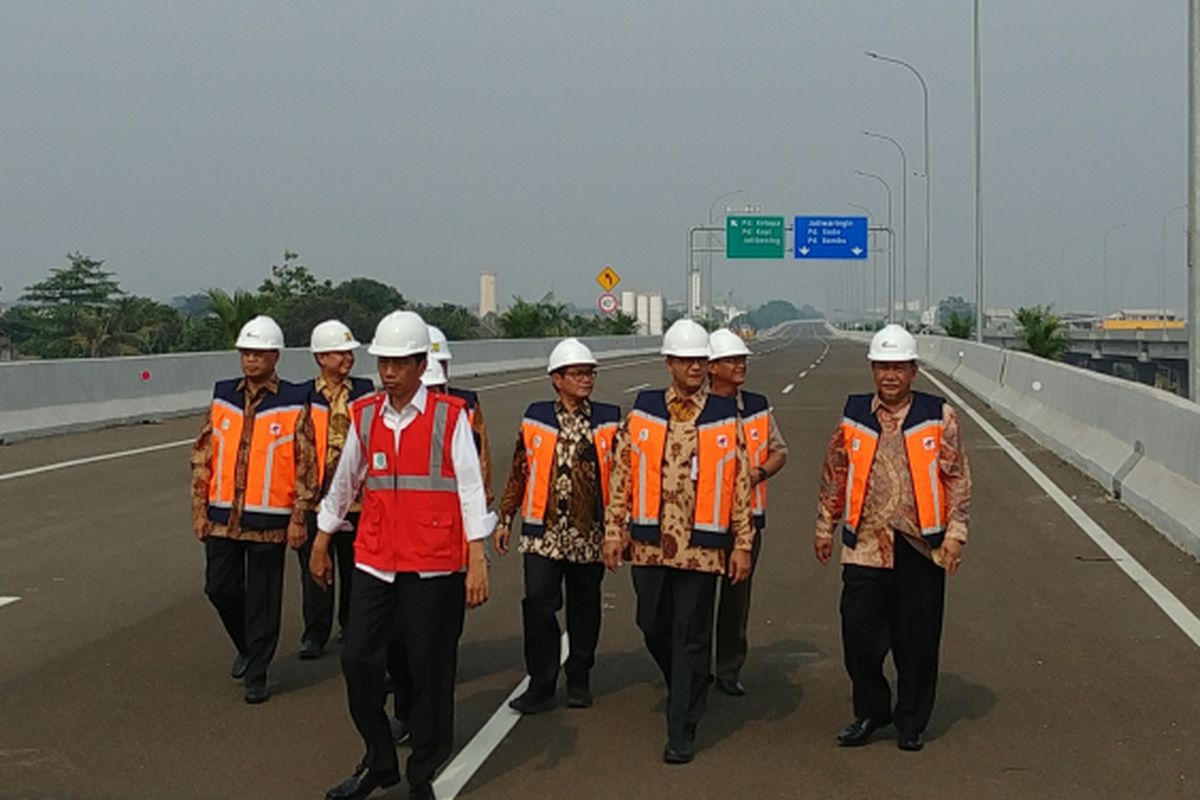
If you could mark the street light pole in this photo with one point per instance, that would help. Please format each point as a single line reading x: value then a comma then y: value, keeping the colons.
x: 891, y: 314
x: 1104, y: 270
x: 928, y: 179
x: 979, y: 315
x: 712, y: 207
x: 903, y: 218
x: 1193, y: 189
x: 871, y: 257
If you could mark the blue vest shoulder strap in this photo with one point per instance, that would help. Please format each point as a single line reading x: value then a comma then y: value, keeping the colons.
x: 603, y: 413
x: 543, y: 411
x: 361, y: 387
x: 754, y: 403
x: 924, y: 408
x: 717, y: 408
x: 653, y: 402
x: 228, y: 391
x: 466, y: 395
x: 858, y: 408
x: 289, y: 394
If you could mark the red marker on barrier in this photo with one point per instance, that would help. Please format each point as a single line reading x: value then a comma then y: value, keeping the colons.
x: 145, y: 375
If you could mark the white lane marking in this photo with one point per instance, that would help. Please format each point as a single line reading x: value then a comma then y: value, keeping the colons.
x: 76, y: 462
x: 802, y: 374
x: 485, y: 741
x: 4, y: 601
x: 787, y: 389
x: 812, y: 366
x: 1178, y: 613
x: 637, y: 388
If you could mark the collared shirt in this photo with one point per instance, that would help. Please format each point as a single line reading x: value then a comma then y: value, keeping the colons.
x: 572, y: 532
x: 201, y: 461
x: 352, y: 473
x: 677, y: 513
x: 338, y: 398
x: 889, y: 504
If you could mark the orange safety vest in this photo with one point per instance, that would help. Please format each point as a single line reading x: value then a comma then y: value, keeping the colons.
x: 756, y: 422
x: 539, y: 432
x: 716, y: 468
x: 411, y: 517
x: 270, y: 491
x: 319, y: 409
x: 922, y: 431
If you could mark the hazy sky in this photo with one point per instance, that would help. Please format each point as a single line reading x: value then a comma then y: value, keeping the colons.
x: 188, y: 144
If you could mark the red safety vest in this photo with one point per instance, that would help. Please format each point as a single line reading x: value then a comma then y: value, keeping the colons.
x: 411, y: 518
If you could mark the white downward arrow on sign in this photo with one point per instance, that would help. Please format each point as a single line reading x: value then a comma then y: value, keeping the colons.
x: 856, y: 250
x: 803, y: 251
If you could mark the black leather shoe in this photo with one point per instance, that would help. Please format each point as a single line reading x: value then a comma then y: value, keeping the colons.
x: 732, y: 687
x: 362, y: 783
x: 422, y: 792
x: 578, y: 696
x: 238, y: 670
x: 310, y: 650
x: 910, y: 744
x: 858, y: 732
x: 399, y: 730
x: 256, y: 693
x: 533, y: 702
x: 682, y: 754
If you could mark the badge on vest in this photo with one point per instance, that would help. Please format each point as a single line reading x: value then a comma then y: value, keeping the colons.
x: 644, y: 434
x: 928, y: 443
x: 224, y: 424
x: 537, y: 441
x: 379, y: 460
x: 855, y: 445
x: 276, y: 429
x: 754, y: 434
x: 722, y: 441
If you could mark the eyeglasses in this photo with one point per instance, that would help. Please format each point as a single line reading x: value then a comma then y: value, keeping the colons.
x: 580, y: 374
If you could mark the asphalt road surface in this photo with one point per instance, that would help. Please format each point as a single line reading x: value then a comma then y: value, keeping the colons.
x: 1060, y: 677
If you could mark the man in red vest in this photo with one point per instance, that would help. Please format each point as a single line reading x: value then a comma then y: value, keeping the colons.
x: 679, y: 507
x: 419, y: 555
x: 768, y: 453
x: 559, y: 484
x: 896, y: 478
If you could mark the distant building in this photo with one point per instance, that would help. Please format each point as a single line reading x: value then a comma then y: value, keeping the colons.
x: 487, y: 293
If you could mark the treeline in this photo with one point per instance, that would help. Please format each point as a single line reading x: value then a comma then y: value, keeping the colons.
x: 81, y: 311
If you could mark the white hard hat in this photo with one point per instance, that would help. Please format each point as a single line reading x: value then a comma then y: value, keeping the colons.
x: 570, y: 351
x: 892, y: 343
x: 724, y: 343
x: 685, y: 339
x: 400, y: 333
x: 332, y: 336
x: 439, y: 348
x: 433, y: 375
x: 260, y: 333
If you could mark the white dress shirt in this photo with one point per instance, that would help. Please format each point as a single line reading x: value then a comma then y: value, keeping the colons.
x: 478, y: 522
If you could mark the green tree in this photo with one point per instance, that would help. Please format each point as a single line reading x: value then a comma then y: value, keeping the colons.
x: 960, y: 326
x: 1042, y: 332
x: 83, y: 284
x: 232, y: 311
x: 529, y: 320
x: 456, y: 321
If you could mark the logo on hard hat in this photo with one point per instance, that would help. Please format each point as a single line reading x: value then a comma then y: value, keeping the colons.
x: 347, y: 336
x: 436, y: 347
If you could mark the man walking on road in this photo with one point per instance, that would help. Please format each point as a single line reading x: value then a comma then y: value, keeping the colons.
x: 558, y: 482
x: 768, y: 453
x: 253, y: 480
x: 331, y: 392
x: 897, y: 478
x: 419, y: 555
x: 680, y: 508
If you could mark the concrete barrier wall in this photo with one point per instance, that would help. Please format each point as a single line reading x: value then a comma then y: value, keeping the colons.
x: 44, y: 397
x: 1140, y: 443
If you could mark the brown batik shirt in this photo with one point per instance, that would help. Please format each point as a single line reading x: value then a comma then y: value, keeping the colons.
x: 201, y: 460
x: 677, y: 512
x: 889, y: 504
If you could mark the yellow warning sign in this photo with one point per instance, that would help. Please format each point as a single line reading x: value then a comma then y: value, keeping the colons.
x: 608, y: 278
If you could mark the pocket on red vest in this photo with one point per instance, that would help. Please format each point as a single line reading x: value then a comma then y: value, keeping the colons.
x: 434, y: 534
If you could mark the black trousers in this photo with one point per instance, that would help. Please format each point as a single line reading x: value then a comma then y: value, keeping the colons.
x: 244, y: 582
x: 675, y: 614
x: 428, y: 616
x: 544, y: 579
x: 733, y: 619
x: 317, y: 600
x: 899, y: 609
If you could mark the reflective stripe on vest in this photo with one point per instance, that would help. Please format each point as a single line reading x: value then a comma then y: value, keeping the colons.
x: 540, y: 442
x: 922, y: 431
x: 647, y: 445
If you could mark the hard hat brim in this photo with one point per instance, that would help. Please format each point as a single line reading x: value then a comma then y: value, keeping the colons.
x: 396, y: 352
x: 688, y: 352
x: 343, y: 347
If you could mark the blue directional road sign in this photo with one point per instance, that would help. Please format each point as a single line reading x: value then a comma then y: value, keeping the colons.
x: 831, y: 237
